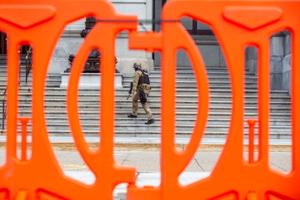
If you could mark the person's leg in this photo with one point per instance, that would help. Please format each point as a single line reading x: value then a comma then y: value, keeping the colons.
x: 143, y: 99
x: 147, y: 110
x: 135, y: 106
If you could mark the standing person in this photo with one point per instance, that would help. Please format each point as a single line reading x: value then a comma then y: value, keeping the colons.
x: 140, y: 91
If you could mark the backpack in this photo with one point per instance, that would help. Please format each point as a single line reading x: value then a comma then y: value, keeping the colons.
x: 144, y: 79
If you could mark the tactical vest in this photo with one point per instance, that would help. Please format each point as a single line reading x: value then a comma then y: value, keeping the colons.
x: 144, y: 78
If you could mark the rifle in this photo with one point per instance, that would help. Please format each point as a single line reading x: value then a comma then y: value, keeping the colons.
x: 130, y: 90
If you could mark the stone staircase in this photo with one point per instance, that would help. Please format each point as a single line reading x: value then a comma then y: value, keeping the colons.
x: 186, y: 105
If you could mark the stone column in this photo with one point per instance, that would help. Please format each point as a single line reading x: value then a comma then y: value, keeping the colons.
x: 280, y: 61
x: 280, y: 52
x: 251, y: 59
x: 276, y: 67
x: 286, y: 71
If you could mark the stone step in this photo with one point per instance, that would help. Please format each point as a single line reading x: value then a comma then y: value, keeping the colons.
x: 186, y: 119
x: 190, y: 86
x: 209, y: 72
x: 213, y: 107
x: 189, y: 67
x: 90, y: 92
x: 156, y: 77
x: 153, y: 93
x: 186, y: 96
x: 153, y: 100
x: 183, y: 120
x: 189, y: 80
x: 180, y: 121
x: 280, y: 134
x: 26, y: 89
x: 273, y: 108
x: 250, y: 114
x: 156, y: 112
x: 49, y: 83
x: 156, y: 126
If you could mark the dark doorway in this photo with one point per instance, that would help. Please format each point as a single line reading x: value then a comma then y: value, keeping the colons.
x: 3, y: 49
x: 3, y: 45
x: 194, y: 27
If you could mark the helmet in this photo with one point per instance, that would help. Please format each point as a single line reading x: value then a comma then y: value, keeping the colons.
x: 137, y: 66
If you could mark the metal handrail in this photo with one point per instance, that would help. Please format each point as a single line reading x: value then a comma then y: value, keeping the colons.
x: 3, y: 109
x: 28, y: 68
x: 28, y: 63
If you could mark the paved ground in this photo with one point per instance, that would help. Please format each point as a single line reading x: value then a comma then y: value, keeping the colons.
x: 145, y: 158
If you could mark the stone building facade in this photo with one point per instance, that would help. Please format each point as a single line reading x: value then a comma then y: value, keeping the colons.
x: 70, y: 41
x: 280, y: 61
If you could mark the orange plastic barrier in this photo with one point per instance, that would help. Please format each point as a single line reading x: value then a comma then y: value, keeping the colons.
x: 235, y: 23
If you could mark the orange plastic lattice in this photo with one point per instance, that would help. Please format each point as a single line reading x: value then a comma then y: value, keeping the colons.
x: 236, y: 24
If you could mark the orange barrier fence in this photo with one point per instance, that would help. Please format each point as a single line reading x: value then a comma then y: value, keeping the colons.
x: 236, y: 25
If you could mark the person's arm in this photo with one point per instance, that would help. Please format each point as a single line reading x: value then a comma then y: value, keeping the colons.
x: 136, y: 81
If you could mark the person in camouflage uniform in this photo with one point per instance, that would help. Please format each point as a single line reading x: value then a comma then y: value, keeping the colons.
x: 140, y: 91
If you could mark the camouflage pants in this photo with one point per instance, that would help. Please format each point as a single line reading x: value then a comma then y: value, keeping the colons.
x: 141, y: 94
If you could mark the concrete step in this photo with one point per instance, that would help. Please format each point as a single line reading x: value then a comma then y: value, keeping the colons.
x: 189, y: 80
x: 156, y: 98
x: 186, y: 97
x: 209, y: 72
x: 157, y: 127
x: 153, y: 93
x: 214, y: 107
x: 186, y: 119
x: 156, y: 112
x: 156, y: 77
x: 189, y: 68
x: 27, y: 89
x: 214, y: 133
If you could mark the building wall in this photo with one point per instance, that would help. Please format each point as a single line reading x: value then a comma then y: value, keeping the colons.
x: 211, y: 52
x: 71, y: 40
x: 280, y: 56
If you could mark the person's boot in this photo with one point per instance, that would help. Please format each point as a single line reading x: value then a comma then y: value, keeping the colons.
x: 132, y: 115
x: 150, y: 121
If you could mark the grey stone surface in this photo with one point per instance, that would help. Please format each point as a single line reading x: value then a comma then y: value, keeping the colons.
x: 89, y: 80
x: 286, y: 63
x: 207, y: 160
x: 281, y: 161
x: 64, y: 47
x: 287, y: 44
x: 251, y: 66
x: 251, y: 53
x: 125, y: 65
x: 148, y: 159
x: 251, y: 59
x: 68, y: 44
x: 276, y: 64
x: 223, y: 61
x: 277, y: 46
x: 126, y: 57
x: 211, y: 55
x: 276, y: 81
x: 58, y: 65
x: 182, y: 58
x: 286, y: 76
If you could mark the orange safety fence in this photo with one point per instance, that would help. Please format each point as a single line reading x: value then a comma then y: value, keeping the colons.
x: 236, y: 25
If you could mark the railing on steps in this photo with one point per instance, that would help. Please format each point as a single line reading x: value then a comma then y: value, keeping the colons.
x: 28, y: 63
x: 3, y: 110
